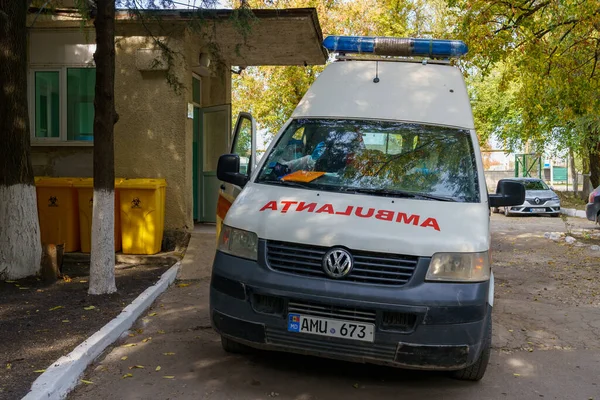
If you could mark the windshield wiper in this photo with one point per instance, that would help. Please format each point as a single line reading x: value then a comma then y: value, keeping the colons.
x: 285, y: 183
x: 399, y: 193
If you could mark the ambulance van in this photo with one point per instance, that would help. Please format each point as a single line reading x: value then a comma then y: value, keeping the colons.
x: 363, y: 233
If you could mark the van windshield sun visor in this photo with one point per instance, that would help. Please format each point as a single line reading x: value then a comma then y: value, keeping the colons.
x: 391, y: 46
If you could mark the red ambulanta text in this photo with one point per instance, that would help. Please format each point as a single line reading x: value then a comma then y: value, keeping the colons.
x: 360, y: 212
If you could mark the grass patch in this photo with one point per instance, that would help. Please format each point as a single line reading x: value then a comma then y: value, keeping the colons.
x: 568, y: 200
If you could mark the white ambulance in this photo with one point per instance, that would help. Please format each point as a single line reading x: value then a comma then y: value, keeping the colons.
x: 363, y: 234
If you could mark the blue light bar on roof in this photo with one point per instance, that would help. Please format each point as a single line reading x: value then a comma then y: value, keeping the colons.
x: 390, y: 46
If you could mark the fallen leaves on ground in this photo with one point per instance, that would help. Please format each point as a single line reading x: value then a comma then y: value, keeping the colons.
x: 9, y: 281
x: 89, y: 308
x: 56, y: 308
x: 183, y: 285
x: 87, y: 382
x: 129, y: 345
x: 161, y: 332
x: 8, y: 365
x: 137, y: 367
x: 123, y: 358
x: 67, y: 278
x: 39, y: 371
x: 147, y: 339
x: 127, y: 376
x: 169, y: 377
x: 66, y: 321
x: 152, y: 314
x: 169, y: 354
x: 517, y: 374
x: 157, y: 368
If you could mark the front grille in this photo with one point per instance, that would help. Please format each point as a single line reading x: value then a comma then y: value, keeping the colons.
x: 330, y: 346
x: 542, y: 200
x: 330, y: 311
x: 369, y: 267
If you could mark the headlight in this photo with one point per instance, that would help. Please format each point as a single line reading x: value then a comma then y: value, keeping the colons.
x: 459, y: 267
x: 238, y: 243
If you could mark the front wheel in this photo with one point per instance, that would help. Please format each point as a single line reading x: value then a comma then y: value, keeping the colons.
x: 476, y: 371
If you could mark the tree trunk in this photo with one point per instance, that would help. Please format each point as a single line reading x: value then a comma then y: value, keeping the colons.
x: 20, y: 246
x: 573, y: 172
x: 102, y: 268
x: 594, y: 155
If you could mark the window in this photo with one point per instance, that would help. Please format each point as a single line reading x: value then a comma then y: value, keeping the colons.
x: 376, y: 157
x: 47, y: 104
x: 243, y: 144
x: 62, y: 105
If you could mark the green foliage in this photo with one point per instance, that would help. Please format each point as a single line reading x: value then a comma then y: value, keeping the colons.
x: 271, y: 93
x: 535, y: 69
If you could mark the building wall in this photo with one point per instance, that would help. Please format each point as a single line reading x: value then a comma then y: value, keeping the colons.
x: 153, y: 135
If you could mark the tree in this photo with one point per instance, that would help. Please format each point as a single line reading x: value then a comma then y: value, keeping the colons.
x: 102, y: 273
x: 20, y: 247
x: 271, y: 93
x: 547, y: 54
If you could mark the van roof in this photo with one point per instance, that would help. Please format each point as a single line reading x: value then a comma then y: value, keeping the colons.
x: 407, y: 91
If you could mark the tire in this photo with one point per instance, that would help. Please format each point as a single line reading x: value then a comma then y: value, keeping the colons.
x: 506, y: 213
x: 233, y: 347
x: 476, y: 371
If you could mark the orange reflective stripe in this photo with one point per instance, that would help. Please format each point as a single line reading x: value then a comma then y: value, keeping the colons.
x: 223, y: 206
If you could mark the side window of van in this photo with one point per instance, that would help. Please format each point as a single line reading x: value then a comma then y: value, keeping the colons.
x: 242, y: 146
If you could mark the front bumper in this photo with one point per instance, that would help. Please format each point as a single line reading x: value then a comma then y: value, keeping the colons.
x: 548, y: 207
x: 444, y: 324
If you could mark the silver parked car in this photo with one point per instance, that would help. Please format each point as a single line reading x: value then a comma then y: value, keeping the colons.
x: 539, y: 199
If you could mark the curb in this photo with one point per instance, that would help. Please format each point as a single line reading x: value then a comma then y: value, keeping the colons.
x: 571, y: 212
x: 62, y: 376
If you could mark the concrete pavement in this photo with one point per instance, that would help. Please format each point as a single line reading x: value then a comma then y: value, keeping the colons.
x: 547, y: 348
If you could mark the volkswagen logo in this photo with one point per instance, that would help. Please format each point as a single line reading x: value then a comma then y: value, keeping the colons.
x: 337, y: 263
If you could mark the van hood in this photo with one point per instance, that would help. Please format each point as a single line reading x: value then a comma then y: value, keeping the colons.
x: 360, y: 222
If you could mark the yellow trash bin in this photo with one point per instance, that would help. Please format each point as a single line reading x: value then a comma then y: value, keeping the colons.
x: 142, y: 215
x: 85, y: 190
x: 57, y: 212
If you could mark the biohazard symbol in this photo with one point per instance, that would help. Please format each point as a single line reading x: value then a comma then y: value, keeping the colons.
x: 135, y: 203
x: 52, y: 201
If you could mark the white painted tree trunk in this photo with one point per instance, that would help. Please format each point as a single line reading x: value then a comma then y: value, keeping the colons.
x: 20, y: 245
x: 102, y: 265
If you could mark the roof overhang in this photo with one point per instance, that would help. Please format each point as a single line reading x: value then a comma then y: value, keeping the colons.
x: 268, y: 37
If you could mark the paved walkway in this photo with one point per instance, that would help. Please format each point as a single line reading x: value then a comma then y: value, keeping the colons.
x: 533, y: 357
x: 199, y: 255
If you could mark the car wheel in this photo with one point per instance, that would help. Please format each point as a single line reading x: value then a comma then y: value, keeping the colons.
x: 506, y: 212
x: 232, y: 346
x: 476, y: 371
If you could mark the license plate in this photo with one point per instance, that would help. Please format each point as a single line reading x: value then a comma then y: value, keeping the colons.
x: 331, y: 327
x: 538, y: 209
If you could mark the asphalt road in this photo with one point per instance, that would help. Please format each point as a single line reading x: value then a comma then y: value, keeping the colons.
x: 546, y: 341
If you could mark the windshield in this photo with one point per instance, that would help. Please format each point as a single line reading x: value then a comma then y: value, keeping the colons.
x: 377, y: 157
x: 535, y: 185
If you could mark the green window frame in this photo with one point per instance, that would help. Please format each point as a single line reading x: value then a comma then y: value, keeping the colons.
x: 62, y: 105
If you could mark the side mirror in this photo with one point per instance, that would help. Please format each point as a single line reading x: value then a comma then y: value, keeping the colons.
x: 228, y: 170
x: 508, y: 193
